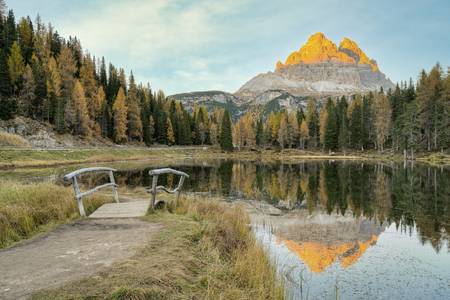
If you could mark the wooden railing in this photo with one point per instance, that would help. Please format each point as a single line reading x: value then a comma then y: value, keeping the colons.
x: 76, y: 187
x: 155, y: 188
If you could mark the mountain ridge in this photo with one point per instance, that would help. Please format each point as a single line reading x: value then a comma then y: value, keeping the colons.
x: 318, y: 69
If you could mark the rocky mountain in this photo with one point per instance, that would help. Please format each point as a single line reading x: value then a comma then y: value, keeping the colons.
x: 211, y: 100
x: 319, y: 69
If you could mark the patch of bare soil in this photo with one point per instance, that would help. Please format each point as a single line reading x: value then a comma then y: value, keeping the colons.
x: 71, y: 252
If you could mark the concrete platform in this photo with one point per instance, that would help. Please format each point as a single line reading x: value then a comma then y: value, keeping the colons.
x: 121, y: 210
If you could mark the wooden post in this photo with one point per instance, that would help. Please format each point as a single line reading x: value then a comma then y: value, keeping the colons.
x: 76, y: 189
x: 180, y: 185
x: 114, y: 188
x: 154, y: 184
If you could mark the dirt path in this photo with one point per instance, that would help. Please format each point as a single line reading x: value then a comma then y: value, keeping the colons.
x: 72, y: 251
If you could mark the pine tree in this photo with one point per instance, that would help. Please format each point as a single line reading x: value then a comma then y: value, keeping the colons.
x: 355, y: 127
x: 5, y: 82
x: 260, y: 136
x: 429, y: 94
x: 151, y: 130
x: 120, y: 117
x: 9, y: 31
x: 134, y: 112
x: 312, y: 119
x: 226, y: 139
x: 331, y: 130
x: 367, y: 121
x: 342, y: 123
x: 41, y: 88
x: 27, y: 95
x: 53, y: 85
x: 103, y: 76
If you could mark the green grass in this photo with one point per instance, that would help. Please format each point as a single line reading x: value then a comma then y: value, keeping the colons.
x: 27, y: 209
x: 206, y: 250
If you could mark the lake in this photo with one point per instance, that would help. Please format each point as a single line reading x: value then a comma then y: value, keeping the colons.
x: 357, y: 229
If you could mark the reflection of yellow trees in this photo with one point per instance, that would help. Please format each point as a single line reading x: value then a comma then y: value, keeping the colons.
x: 274, y: 186
x: 323, y: 195
x: 244, y: 178
x: 304, y: 186
x: 382, y: 193
x: 319, y: 256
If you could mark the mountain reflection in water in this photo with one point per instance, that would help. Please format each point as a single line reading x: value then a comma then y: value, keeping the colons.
x: 323, y: 239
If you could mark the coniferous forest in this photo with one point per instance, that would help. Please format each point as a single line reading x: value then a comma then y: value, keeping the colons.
x: 48, y: 78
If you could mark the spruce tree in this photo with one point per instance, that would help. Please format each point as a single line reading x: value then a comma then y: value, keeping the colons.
x: 331, y: 130
x: 342, y: 123
x: 356, y: 124
x: 226, y: 138
x: 312, y: 119
x: 260, y: 137
x: 134, y: 112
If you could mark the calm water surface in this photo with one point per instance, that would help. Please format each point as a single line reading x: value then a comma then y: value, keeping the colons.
x: 359, y: 230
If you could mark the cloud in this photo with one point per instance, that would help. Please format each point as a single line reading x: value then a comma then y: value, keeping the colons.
x: 186, y: 45
x: 167, y: 38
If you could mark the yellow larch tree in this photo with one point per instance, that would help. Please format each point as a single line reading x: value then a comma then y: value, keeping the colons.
x: 120, y: 117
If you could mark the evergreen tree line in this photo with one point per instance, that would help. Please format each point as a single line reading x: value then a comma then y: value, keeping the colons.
x: 412, y: 117
x: 50, y: 79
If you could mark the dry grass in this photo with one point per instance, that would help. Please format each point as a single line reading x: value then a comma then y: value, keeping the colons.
x: 26, y: 209
x: 205, y: 251
x: 12, y: 140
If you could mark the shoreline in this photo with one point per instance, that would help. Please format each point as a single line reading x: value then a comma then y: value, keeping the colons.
x: 45, y: 158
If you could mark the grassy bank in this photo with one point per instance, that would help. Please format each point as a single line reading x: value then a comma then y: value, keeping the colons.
x: 10, y: 158
x: 27, y: 209
x: 206, y: 250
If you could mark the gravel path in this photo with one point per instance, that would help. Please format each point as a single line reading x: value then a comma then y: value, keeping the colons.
x: 71, y: 252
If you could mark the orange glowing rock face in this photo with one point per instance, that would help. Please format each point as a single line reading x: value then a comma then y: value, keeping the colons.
x: 319, y: 256
x: 353, y: 47
x: 319, y: 49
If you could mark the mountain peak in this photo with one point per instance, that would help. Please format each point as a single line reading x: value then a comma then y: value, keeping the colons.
x: 352, y: 49
x: 319, y: 49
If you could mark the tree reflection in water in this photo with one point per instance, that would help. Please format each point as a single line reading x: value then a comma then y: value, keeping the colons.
x: 410, y: 198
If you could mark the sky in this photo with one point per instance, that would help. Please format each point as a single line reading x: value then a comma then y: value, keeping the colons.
x: 181, y: 46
